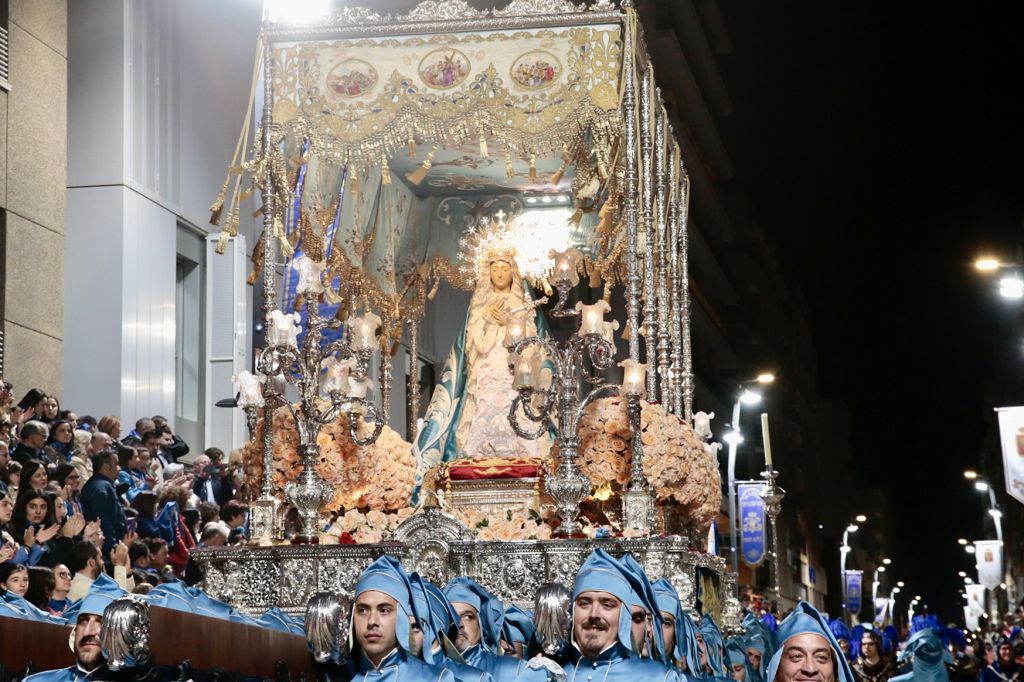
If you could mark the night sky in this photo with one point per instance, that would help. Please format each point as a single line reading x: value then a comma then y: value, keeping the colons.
x: 882, y: 146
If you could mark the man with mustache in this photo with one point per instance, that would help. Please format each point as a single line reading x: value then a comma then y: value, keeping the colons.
x: 90, y: 663
x: 602, y: 627
x: 808, y: 650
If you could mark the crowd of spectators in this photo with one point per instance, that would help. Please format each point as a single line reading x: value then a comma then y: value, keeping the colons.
x: 78, y: 497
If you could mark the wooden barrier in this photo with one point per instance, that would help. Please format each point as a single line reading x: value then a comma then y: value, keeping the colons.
x: 174, y: 636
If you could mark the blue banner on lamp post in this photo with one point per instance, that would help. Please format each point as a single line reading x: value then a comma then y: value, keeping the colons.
x: 752, y: 517
x: 853, y: 582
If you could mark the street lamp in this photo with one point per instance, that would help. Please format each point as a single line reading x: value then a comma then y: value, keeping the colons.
x: 987, y: 264
x: 1011, y: 287
x: 733, y: 439
x: 982, y: 485
x: 876, y: 582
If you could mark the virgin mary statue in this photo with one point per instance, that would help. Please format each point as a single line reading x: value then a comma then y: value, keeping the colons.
x: 468, y: 411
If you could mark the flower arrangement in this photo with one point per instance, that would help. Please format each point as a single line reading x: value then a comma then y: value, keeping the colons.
x: 516, y: 526
x: 377, y: 477
x: 676, y: 463
x: 354, y: 526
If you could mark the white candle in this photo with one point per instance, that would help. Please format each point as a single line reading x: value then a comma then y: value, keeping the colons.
x: 358, y: 388
x: 363, y: 331
x: 767, y: 441
x: 525, y: 375
x: 515, y: 331
x: 564, y: 271
x: 634, y: 377
x: 592, y: 317
x: 250, y: 389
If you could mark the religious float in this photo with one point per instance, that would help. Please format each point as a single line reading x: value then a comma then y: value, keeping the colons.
x: 523, y: 155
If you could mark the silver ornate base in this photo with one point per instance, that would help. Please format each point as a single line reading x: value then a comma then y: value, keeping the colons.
x: 495, y: 495
x: 638, y: 510
x: 263, y: 521
x: 253, y: 579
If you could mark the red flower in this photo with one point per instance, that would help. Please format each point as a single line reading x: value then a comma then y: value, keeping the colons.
x: 345, y: 539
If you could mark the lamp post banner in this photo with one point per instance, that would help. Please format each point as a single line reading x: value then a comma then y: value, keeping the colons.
x: 1011, y: 437
x: 882, y: 611
x: 989, y: 555
x: 975, y: 604
x: 752, y: 516
x: 854, y: 583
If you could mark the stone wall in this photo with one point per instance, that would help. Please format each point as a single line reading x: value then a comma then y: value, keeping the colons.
x: 33, y: 168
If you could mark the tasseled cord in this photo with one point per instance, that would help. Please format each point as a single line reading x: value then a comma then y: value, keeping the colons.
x: 420, y: 174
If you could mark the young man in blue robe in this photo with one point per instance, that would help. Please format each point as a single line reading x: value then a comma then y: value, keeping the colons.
x: 381, y: 614
x: 601, y: 627
x: 807, y: 650
x: 678, y: 629
x: 481, y: 616
x: 437, y: 625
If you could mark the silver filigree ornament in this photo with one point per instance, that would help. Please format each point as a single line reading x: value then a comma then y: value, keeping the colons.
x: 124, y: 635
x: 326, y: 625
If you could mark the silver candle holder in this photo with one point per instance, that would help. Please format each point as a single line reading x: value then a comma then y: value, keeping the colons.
x: 772, y: 496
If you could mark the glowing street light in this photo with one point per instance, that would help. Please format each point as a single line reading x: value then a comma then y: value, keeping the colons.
x: 1011, y: 287
x: 900, y: 583
x: 962, y: 574
x: 962, y: 541
x: 765, y: 378
x: 860, y: 518
x: 981, y: 486
x: 969, y: 549
x: 886, y: 561
x: 987, y: 264
x: 970, y: 474
x: 749, y: 397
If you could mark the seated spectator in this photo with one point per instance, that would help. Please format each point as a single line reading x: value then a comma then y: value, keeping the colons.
x: 210, y: 482
x: 33, y: 436
x: 70, y: 482
x: 58, y: 445
x: 34, y: 476
x: 99, y: 499
x: 87, y: 422
x: 158, y: 560
x: 35, y: 526
x: 5, y: 454
x: 175, y: 447
x: 11, y: 476
x: 208, y: 511
x: 215, y: 534
x: 130, y: 480
x: 10, y: 550
x: 41, y: 582
x: 48, y: 409
x: 86, y: 563
x: 184, y: 539
x: 149, y: 525
x: 138, y: 553
x: 157, y: 464
x: 235, y: 514
x: 70, y: 417
x: 111, y: 425
x: 59, y: 601
x: 14, y: 579
x: 134, y: 437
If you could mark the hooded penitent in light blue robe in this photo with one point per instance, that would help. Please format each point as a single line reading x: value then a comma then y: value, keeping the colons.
x: 715, y: 645
x: 736, y: 654
x: 102, y: 592
x: 685, y: 649
x: 841, y: 632
x: 930, y: 658
x: 643, y: 596
x: 436, y: 617
x: 618, y: 663
x: 487, y: 653
x: 387, y: 575
x: 806, y: 619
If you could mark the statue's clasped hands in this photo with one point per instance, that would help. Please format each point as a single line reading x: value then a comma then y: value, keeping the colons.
x: 497, y: 312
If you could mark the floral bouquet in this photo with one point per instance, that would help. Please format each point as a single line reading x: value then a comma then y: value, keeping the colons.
x: 375, y: 477
x: 676, y: 464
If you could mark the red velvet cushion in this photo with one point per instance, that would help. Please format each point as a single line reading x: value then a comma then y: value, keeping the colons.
x: 493, y: 467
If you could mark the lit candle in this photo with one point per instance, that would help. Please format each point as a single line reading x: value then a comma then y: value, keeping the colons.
x: 525, y: 375
x: 515, y: 331
x: 283, y: 330
x: 767, y: 441
x: 336, y: 379
x: 363, y: 331
x: 592, y: 317
x: 634, y: 377
x: 564, y: 271
x: 250, y: 388
x: 609, y: 329
x: 310, y: 275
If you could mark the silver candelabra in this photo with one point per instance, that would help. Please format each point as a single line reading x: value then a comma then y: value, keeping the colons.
x: 560, y: 400
x: 772, y: 496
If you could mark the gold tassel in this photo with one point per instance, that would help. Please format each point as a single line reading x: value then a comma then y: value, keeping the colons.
x: 420, y: 174
x: 548, y: 291
x: 218, y: 204
x: 533, y: 168
x: 342, y: 313
x: 595, y: 280
x: 483, y: 146
x: 576, y: 217
x: 354, y: 184
x: 222, y: 242
x: 433, y: 290
x: 412, y: 147
x: 557, y: 177
x: 627, y: 332
x: 607, y: 292
x: 246, y: 194
x: 509, y: 170
x: 385, y: 171
x: 258, y: 212
x: 287, y: 250
x: 606, y: 207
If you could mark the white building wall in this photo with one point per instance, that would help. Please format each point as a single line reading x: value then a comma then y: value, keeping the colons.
x: 157, y: 92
